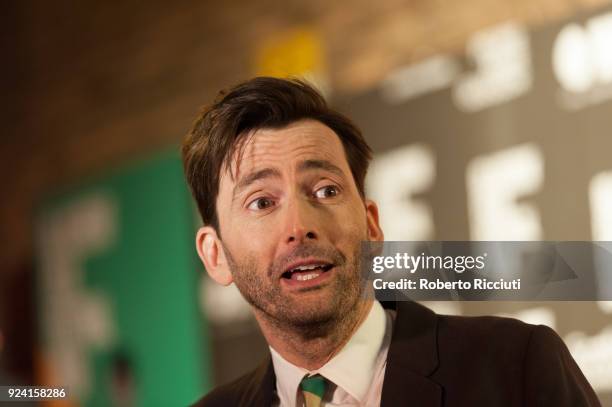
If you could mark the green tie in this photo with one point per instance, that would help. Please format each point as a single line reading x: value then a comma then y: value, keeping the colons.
x: 313, y: 388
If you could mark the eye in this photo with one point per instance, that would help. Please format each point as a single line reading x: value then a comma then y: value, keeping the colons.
x: 328, y: 191
x: 260, y: 204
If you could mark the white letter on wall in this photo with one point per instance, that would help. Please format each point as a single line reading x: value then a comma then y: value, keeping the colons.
x: 75, y: 319
x: 495, y: 183
x: 393, y: 178
x: 600, y: 198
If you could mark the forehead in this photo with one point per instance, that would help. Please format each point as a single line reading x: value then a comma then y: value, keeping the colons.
x: 305, y: 139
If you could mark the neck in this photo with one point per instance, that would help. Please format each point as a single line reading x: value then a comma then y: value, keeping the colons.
x: 310, y: 347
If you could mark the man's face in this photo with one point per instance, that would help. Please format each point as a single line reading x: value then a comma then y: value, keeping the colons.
x: 291, y: 223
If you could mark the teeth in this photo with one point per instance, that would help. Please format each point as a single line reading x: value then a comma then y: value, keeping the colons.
x: 304, y: 277
x: 308, y: 267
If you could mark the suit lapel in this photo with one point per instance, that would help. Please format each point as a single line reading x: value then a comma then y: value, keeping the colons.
x: 260, y: 391
x: 412, y: 357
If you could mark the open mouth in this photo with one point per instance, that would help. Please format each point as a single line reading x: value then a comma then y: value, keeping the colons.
x: 307, y: 272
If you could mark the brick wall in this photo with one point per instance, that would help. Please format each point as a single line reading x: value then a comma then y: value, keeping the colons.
x: 90, y: 84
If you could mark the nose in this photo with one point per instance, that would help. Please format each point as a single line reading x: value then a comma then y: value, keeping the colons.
x: 298, y: 236
x: 300, y: 222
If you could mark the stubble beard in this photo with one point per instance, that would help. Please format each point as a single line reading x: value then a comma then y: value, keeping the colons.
x: 317, y: 313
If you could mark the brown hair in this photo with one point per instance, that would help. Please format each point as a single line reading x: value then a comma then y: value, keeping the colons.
x: 261, y: 102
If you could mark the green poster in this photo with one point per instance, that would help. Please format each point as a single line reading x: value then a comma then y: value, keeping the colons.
x: 118, y: 289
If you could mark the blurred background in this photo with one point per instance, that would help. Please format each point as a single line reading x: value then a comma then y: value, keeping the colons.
x: 490, y: 120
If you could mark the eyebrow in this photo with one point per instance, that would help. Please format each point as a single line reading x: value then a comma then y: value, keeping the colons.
x: 253, y: 177
x: 264, y: 173
x: 320, y: 165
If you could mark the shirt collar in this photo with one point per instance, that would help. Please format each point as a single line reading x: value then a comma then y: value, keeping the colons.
x: 351, y: 369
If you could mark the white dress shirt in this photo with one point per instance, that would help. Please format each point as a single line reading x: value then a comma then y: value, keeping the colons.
x: 357, y: 371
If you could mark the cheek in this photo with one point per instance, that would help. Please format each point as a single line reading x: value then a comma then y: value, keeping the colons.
x: 252, y: 240
x: 347, y: 224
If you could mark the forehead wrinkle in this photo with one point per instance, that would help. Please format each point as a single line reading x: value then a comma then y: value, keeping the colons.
x: 264, y: 148
x: 306, y: 158
x: 270, y: 145
x: 301, y: 135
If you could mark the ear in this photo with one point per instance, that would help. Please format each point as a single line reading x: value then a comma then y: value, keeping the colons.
x: 375, y: 233
x: 212, y: 255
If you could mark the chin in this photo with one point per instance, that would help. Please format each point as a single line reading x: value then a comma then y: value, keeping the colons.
x: 321, y: 311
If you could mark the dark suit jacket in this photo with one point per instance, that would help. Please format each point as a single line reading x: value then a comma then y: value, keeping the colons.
x: 440, y: 360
